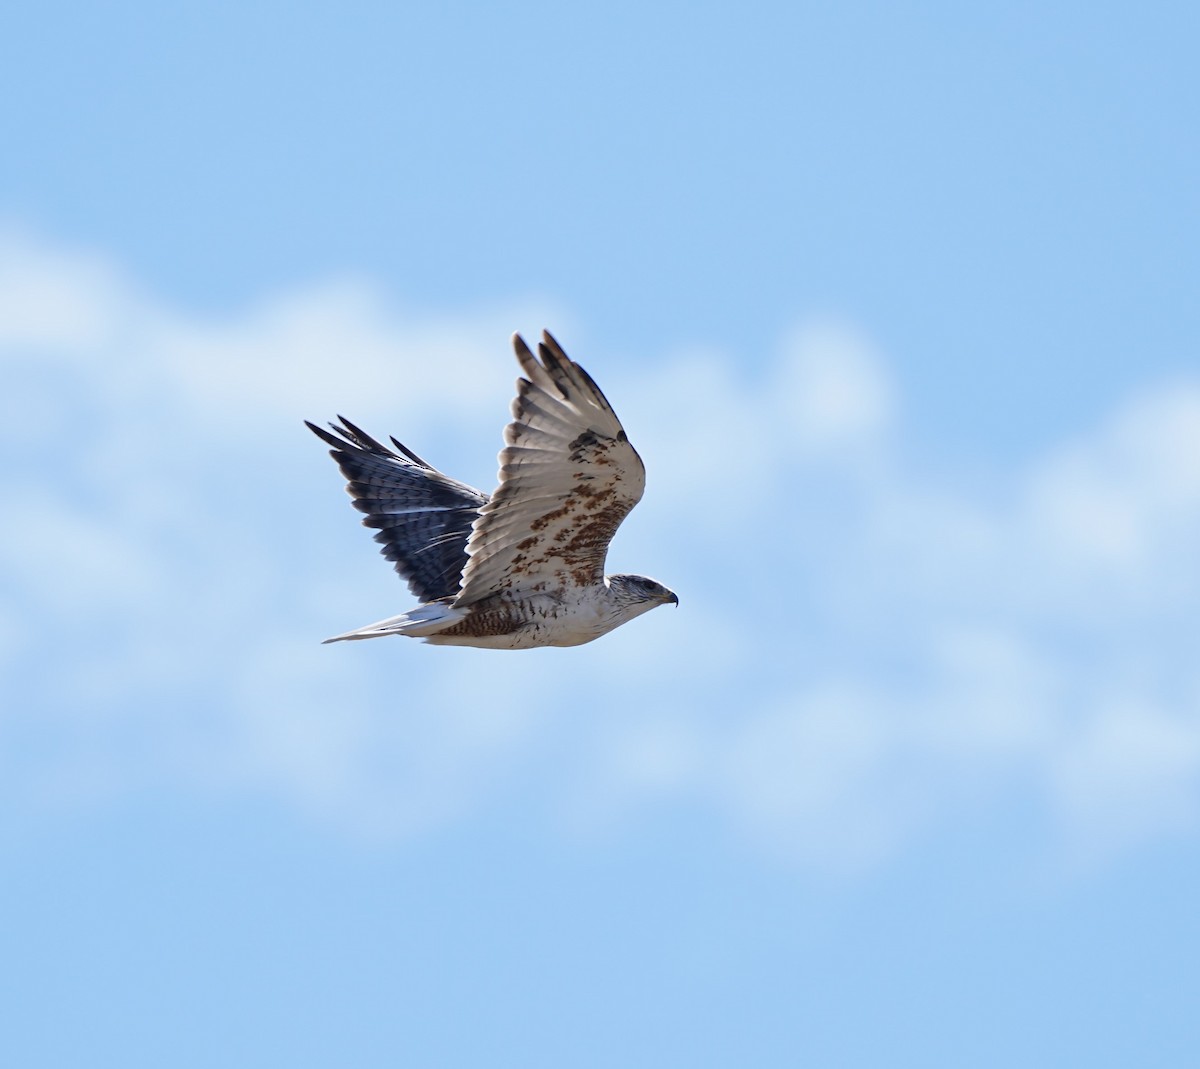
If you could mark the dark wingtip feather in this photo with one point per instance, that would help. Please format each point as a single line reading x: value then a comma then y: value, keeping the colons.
x: 360, y: 437
x: 409, y: 453
x: 565, y: 372
x: 325, y: 436
x: 591, y: 384
x: 351, y: 436
x: 525, y: 357
x: 520, y: 346
x: 556, y: 363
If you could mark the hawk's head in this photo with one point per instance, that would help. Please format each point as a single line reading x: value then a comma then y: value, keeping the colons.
x: 639, y: 592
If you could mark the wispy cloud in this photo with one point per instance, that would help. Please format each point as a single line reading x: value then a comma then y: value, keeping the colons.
x: 863, y: 642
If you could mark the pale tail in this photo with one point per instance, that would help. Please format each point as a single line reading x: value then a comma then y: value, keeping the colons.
x: 421, y: 622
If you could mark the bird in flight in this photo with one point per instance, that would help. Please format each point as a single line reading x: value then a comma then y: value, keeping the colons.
x: 524, y: 567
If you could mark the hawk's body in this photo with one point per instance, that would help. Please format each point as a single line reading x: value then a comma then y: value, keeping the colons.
x: 524, y: 567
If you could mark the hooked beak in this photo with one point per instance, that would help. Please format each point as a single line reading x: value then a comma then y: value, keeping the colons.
x: 673, y: 598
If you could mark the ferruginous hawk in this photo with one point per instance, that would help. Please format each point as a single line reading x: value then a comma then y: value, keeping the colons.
x: 524, y: 567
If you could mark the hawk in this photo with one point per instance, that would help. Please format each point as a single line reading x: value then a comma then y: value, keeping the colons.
x: 524, y: 567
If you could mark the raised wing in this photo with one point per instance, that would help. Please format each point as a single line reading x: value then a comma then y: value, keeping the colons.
x: 568, y: 477
x: 424, y: 517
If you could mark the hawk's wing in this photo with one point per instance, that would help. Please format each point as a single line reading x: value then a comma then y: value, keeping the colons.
x: 423, y: 516
x: 568, y: 477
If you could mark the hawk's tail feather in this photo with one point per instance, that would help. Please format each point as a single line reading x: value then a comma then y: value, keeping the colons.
x: 421, y: 622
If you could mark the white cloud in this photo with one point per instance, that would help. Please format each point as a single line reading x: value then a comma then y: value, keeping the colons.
x: 831, y: 390
x: 341, y: 343
x: 1121, y: 508
x: 55, y: 301
x: 860, y: 645
x: 1128, y: 770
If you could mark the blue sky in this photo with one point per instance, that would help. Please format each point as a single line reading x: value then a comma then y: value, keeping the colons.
x: 899, y: 307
